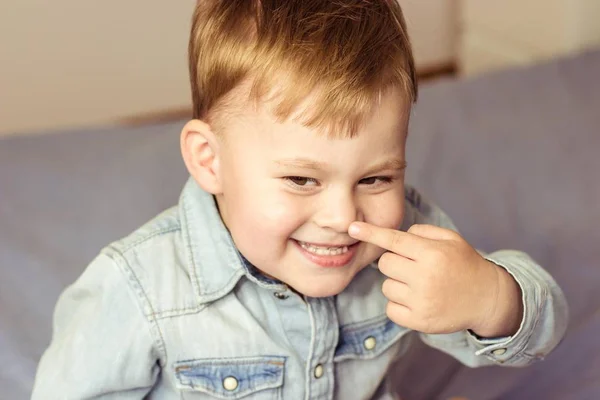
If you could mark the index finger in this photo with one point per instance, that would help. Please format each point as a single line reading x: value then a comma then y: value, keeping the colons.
x: 402, y: 243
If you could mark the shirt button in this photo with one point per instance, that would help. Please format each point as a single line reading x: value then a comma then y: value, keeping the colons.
x: 280, y: 295
x: 230, y: 383
x: 370, y: 343
x: 319, y: 371
x: 498, y: 352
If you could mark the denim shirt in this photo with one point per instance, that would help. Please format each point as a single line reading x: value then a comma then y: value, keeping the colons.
x: 174, y: 312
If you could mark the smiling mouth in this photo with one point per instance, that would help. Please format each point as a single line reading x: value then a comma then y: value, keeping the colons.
x: 326, y: 254
x: 325, y: 250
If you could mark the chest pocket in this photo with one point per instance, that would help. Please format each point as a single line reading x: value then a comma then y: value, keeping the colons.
x: 251, y: 378
x: 367, y: 339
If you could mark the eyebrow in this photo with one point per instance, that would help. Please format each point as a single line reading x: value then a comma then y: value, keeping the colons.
x: 302, y: 163
x: 393, y: 164
x: 306, y: 163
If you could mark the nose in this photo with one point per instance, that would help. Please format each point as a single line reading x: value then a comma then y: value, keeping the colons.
x: 337, y: 210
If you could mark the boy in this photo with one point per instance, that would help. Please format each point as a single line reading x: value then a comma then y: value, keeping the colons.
x: 259, y: 285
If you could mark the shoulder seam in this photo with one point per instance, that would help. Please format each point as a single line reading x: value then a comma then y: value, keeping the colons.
x: 134, y: 284
x: 145, y: 238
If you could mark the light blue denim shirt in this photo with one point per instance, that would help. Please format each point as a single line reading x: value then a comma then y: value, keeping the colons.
x: 174, y: 312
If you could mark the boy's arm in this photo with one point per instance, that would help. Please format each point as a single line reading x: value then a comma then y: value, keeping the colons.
x: 102, y: 345
x: 544, y: 308
x: 543, y: 325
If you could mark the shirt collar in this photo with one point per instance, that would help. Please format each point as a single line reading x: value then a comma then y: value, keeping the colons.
x: 215, y: 264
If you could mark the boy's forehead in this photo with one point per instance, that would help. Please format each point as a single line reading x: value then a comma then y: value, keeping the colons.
x: 390, y: 111
x: 291, y: 143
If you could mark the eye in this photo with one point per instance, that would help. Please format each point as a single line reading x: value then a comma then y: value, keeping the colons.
x: 375, y: 180
x: 301, y: 181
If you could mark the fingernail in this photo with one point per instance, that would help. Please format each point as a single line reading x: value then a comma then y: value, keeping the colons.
x: 353, y: 229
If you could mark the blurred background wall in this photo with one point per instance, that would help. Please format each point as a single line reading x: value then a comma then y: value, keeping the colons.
x: 72, y: 63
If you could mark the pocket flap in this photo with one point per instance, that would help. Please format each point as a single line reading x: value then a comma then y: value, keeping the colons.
x: 367, y: 339
x: 230, y: 378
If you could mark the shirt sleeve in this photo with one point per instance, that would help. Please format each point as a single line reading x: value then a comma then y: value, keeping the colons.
x: 102, y: 344
x: 545, y: 310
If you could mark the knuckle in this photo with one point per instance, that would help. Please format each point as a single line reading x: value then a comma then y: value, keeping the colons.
x: 396, y: 240
x: 438, y: 255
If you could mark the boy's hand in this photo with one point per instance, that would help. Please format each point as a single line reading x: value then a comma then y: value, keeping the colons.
x: 438, y: 283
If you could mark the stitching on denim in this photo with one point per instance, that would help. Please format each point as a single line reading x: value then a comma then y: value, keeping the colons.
x: 190, y: 248
x: 200, y: 290
x: 373, y: 323
x: 149, y: 236
x: 275, y: 364
x: 520, y: 351
x: 263, y: 359
x: 171, y: 313
x: 177, y: 312
x: 222, y: 395
x: 225, y: 289
x: 359, y: 325
x: 544, y: 299
x: 126, y: 268
x: 538, y: 295
x: 392, y: 341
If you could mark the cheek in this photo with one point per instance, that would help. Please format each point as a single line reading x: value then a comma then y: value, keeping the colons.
x: 385, y: 210
x: 275, y: 213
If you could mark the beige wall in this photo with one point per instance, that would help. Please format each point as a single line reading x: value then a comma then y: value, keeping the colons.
x: 499, y: 34
x: 433, y: 30
x: 66, y: 63
x: 585, y: 23
x: 77, y: 62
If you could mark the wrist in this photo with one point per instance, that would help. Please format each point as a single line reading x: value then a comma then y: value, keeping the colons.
x: 504, y: 316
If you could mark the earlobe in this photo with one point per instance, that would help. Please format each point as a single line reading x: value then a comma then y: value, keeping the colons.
x: 200, y: 151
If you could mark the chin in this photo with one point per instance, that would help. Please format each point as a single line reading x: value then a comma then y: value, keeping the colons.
x: 321, y: 289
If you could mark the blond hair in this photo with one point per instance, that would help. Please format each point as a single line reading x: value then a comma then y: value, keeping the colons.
x: 345, y: 53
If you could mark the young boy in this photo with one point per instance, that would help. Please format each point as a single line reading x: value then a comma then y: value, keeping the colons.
x: 282, y: 272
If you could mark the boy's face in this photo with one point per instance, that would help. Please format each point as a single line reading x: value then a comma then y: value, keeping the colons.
x: 289, y: 193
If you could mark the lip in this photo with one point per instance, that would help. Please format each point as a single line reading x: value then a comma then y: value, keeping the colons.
x: 328, y: 261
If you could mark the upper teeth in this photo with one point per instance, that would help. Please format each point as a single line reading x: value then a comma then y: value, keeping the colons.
x: 324, y: 251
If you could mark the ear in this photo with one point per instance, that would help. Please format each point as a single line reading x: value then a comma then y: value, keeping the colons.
x: 200, y: 151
